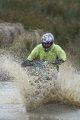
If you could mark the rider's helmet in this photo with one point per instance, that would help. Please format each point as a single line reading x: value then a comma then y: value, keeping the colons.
x: 47, y: 40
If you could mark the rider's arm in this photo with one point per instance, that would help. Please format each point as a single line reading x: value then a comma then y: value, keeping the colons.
x: 34, y: 54
x: 30, y: 58
x: 61, y: 54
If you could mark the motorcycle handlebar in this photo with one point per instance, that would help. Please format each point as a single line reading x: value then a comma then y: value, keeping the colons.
x: 31, y: 63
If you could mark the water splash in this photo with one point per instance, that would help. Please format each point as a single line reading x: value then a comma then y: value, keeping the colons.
x: 69, y: 84
x: 16, y: 73
x: 36, y: 90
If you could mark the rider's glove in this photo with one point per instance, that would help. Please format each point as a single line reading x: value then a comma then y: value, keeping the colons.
x: 59, y: 62
x: 27, y: 63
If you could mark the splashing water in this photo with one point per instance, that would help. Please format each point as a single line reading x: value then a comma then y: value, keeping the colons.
x: 40, y: 86
x: 16, y: 73
x: 69, y: 85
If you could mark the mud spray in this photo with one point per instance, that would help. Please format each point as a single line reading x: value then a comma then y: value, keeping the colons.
x: 36, y: 90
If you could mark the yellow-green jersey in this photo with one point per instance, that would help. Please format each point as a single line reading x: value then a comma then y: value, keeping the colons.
x: 38, y: 53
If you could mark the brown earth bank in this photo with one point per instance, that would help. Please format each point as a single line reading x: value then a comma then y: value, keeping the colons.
x: 8, y: 33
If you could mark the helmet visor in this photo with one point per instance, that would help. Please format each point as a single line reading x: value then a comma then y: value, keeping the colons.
x: 47, y: 44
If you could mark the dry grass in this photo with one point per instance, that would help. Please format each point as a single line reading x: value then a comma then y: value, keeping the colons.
x: 22, y: 46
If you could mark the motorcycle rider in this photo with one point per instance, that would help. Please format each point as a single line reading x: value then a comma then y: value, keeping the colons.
x: 48, y: 51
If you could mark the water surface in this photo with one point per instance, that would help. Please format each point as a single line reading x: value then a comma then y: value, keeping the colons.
x: 12, y: 108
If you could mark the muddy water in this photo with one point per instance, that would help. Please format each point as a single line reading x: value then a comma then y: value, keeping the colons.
x: 12, y: 108
x: 18, y: 87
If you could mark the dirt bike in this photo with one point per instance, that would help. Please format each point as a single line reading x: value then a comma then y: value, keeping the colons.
x: 48, y: 70
x: 42, y: 76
